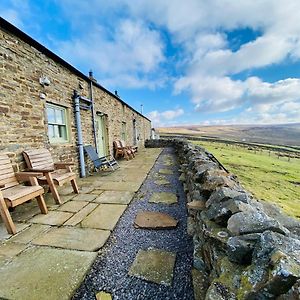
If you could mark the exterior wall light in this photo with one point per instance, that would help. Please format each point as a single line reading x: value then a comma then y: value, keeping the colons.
x: 44, y: 81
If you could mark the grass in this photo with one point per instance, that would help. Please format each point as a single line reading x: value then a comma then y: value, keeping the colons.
x: 266, y: 177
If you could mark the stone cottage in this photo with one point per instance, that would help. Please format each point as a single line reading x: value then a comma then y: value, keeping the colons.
x: 38, y: 90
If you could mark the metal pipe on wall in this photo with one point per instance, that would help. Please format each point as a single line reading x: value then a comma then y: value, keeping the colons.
x: 93, y: 110
x: 79, y: 134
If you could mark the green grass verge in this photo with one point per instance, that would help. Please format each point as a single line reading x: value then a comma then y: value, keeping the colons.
x: 266, y: 177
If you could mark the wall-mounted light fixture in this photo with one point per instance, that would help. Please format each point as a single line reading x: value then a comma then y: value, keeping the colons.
x: 44, y: 81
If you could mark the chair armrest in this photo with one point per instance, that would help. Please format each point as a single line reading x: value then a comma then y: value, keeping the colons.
x: 25, y: 176
x: 62, y: 165
x: 44, y: 171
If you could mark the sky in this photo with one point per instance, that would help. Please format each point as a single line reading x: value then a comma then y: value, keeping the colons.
x: 186, y: 62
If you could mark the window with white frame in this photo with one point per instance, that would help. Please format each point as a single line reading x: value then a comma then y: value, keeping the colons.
x: 57, y: 123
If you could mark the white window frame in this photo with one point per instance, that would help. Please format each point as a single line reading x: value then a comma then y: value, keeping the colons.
x: 58, y: 125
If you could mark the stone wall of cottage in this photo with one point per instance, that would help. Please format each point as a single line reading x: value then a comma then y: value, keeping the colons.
x: 243, y: 248
x: 23, y: 122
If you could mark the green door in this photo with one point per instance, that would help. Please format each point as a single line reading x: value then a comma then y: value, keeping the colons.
x: 101, y: 135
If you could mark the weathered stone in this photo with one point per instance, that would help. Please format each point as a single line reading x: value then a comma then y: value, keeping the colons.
x: 275, y: 267
x: 78, y: 217
x: 165, y: 172
x: 73, y: 206
x: 182, y: 177
x: 44, y: 273
x: 220, y: 212
x: 103, y: 296
x: 115, y: 197
x: 121, y: 186
x: 162, y: 182
x: 163, y: 197
x: 105, y: 216
x: 253, y: 222
x: 224, y: 194
x: 84, y: 239
x: 30, y: 233
x: 200, y: 284
x: 154, y: 220
x: 5, y: 235
x: 52, y: 218
x: 240, y: 248
x: 85, y: 197
x: 218, y: 291
x: 154, y: 265
x: 11, y: 249
x: 196, y: 205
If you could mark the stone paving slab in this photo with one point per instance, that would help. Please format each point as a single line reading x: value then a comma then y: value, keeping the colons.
x: 85, y: 197
x: 52, y: 218
x: 105, y: 216
x: 165, y: 171
x: 75, y: 238
x: 44, y: 273
x: 11, y: 249
x: 162, y: 182
x: 154, y: 220
x: 72, y: 206
x: 78, y: 217
x: 115, y: 197
x: 163, y: 197
x: 27, y: 235
x: 154, y: 265
x: 121, y: 186
x: 3, y: 231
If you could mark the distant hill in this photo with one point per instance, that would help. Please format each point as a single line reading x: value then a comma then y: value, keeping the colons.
x: 279, y: 134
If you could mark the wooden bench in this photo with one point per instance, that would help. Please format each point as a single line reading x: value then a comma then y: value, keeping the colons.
x: 12, y: 193
x: 40, y: 160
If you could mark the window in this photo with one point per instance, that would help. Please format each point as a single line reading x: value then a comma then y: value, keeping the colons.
x: 123, y: 133
x: 57, y: 123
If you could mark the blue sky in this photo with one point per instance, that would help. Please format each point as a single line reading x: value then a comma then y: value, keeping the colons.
x: 188, y: 62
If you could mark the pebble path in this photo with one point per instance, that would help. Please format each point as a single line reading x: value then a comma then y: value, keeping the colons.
x: 110, y: 270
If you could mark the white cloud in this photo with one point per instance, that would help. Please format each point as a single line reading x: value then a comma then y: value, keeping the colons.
x: 127, y: 56
x: 164, y: 117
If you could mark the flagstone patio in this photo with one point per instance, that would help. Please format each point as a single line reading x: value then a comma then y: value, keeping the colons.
x: 50, y: 254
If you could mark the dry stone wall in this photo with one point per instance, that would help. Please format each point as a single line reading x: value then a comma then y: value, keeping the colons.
x: 23, y: 122
x: 243, y: 248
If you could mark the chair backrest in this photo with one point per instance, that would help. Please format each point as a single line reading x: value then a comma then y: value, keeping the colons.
x: 117, y: 144
x: 38, y: 159
x: 7, y: 174
x: 92, y: 154
x: 122, y: 143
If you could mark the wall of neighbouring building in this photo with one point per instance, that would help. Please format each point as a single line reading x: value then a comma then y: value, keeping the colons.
x: 243, y: 248
x: 23, y: 121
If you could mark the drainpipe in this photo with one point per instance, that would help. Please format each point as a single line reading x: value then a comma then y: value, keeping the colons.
x: 79, y: 134
x: 93, y: 109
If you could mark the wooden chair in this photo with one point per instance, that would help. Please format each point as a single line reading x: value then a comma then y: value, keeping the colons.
x: 121, y: 151
x: 12, y: 193
x: 105, y: 161
x: 40, y: 160
x: 133, y: 149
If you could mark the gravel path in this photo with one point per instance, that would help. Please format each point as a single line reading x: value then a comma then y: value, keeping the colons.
x: 110, y: 270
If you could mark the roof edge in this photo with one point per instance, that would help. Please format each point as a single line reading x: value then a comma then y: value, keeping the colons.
x: 32, y: 42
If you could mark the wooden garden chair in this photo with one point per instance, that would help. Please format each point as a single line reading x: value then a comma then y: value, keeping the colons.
x: 121, y: 151
x: 133, y: 149
x: 12, y: 193
x: 107, y: 161
x: 40, y: 160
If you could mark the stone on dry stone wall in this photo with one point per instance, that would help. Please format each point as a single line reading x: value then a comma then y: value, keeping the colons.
x: 201, y: 169
x: 253, y: 222
x: 222, y: 211
x: 240, y: 248
x: 224, y: 193
x: 275, y: 267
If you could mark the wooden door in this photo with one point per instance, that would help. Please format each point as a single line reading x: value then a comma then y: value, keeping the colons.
x: 101, y: 135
